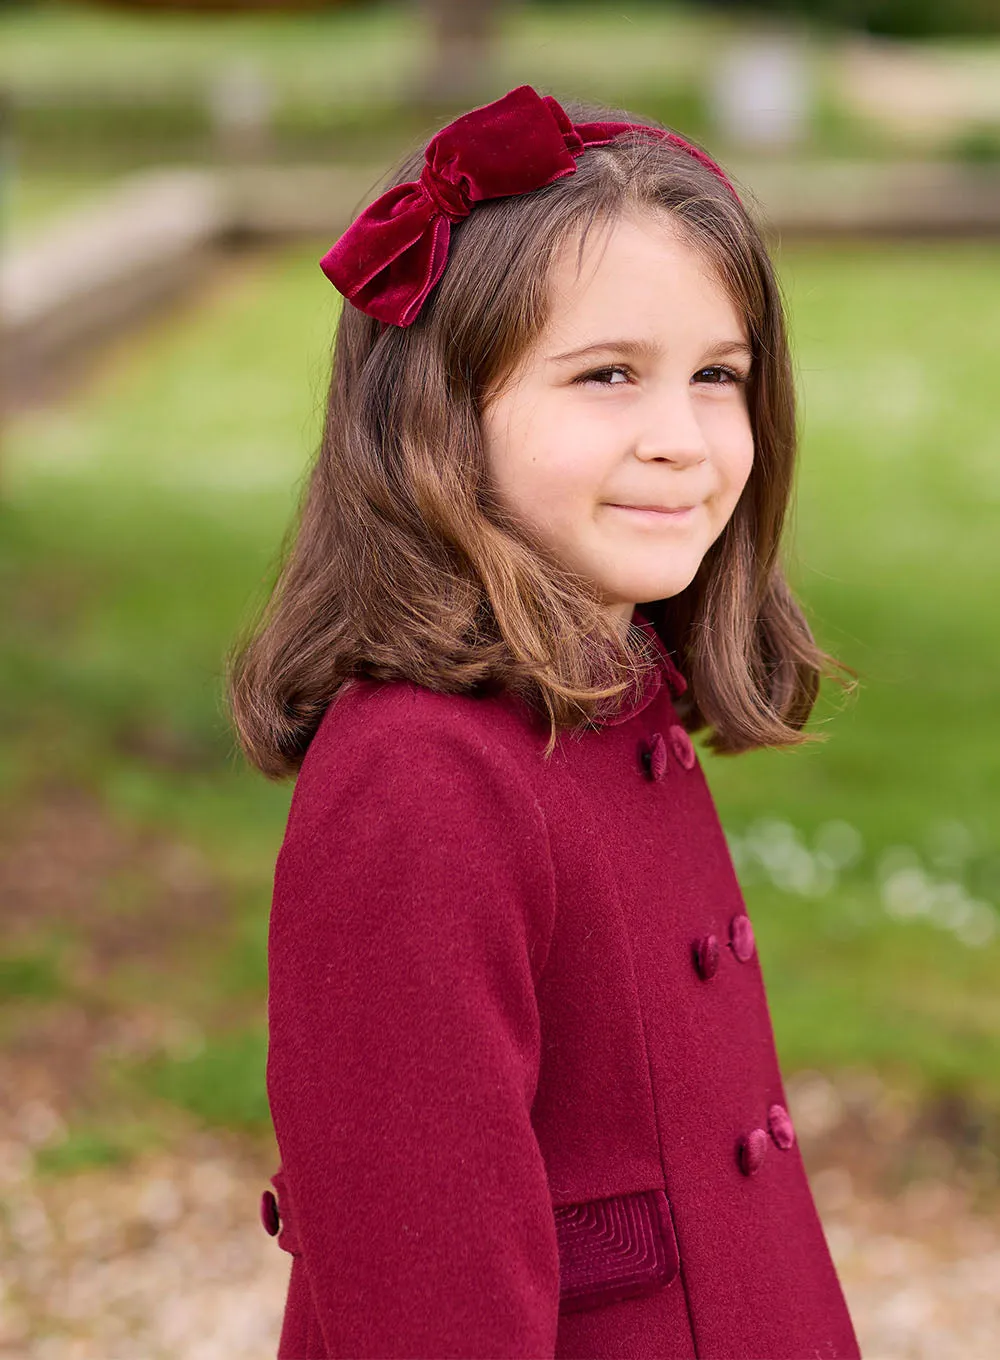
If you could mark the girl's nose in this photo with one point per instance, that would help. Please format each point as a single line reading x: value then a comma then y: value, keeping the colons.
x: 672, y: 431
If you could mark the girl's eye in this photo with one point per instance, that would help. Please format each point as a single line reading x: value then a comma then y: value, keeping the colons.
x: 599, y: 374
x: 724, y: 377
x: 719, y: 376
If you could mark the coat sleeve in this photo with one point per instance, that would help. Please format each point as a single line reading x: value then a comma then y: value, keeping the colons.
x: 412, y: 912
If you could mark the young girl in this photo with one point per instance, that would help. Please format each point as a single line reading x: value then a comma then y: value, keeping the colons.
x: 521, y: 1067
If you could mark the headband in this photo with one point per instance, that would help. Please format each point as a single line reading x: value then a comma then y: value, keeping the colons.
x: 392, y: 255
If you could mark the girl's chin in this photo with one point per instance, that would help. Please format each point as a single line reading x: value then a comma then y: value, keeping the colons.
x: 655, y: 586
x: 649, y: 591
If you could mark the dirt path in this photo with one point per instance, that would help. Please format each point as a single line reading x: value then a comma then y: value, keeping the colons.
x: 168, y: 1259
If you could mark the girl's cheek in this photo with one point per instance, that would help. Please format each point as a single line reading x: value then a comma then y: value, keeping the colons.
x: 574, y: 458
x: 744, y: 462
x: 736, y: 444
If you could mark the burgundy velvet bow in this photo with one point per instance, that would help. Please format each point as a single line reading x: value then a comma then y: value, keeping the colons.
x: 392, y: 255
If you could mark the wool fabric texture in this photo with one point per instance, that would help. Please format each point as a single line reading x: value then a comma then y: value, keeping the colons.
x: 514, y: 1120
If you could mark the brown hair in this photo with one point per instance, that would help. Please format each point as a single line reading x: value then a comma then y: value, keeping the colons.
x: 400, y: 562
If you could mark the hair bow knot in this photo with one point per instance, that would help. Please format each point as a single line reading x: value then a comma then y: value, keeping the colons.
x: 450, y: 199
x: 395, y: 251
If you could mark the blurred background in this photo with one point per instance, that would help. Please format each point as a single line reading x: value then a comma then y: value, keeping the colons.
x: 170, y: 174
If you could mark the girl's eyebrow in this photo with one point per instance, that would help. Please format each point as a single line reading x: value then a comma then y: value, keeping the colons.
x: 647, y: 349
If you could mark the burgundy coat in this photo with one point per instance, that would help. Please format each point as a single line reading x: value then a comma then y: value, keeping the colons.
x: 521, y: 1068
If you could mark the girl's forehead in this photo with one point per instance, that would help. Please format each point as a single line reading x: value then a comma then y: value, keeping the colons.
x: 651, y: 249
x: 637, y: 273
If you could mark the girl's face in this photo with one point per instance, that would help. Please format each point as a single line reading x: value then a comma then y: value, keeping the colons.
x: 654, y: 413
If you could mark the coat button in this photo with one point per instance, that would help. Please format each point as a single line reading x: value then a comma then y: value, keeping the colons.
x: 682, y: 746
x: 654, y: 757
x: 741, y: 938
x: 751, y: 1150
x: 780, y: 1123
x: 706, y: 956
x: 269, y: 1212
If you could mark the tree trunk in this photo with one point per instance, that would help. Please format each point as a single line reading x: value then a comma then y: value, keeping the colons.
x: 463, y: 33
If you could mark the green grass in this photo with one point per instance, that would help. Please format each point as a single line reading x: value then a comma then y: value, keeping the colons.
x: 34, y: 975
x: 223, y: 1084
x: 353, y: 53
x: 115, y: 90
x: 80, y: 1149
x: 141, y: 524
x: 89, y: 1143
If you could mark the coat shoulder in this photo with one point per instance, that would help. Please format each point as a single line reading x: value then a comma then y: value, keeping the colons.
x: 394, y: 755
x: 369, y: 721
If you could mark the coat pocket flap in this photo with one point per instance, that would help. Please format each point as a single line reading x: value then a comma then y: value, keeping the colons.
x: 620, y: 1247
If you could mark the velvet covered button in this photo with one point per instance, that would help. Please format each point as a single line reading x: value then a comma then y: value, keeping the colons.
x: 269, y: 1212
x: 741, y: 938
x: 682, y: 746
x: 751, y: 1151
x: 706, y: 956
x: 780, y: 1123
x: 654, y: 757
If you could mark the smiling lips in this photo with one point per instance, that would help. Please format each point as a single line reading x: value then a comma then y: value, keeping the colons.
x: 661, y: 512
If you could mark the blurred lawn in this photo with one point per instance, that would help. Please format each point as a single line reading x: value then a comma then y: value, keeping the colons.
x: 354, y: 52
x: 142, y: 517
x: 117, y: 89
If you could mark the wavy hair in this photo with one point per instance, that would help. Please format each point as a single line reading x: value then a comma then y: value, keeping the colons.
x: 401, y: 564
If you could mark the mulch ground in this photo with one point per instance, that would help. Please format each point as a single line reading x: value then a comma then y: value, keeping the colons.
x: 164, y: 1255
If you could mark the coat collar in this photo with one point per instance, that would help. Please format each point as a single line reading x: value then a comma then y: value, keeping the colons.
x: 664, y: 670
x: 665, y: 661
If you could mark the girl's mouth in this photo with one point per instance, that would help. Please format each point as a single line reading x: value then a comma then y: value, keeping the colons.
x: 657, y: 513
